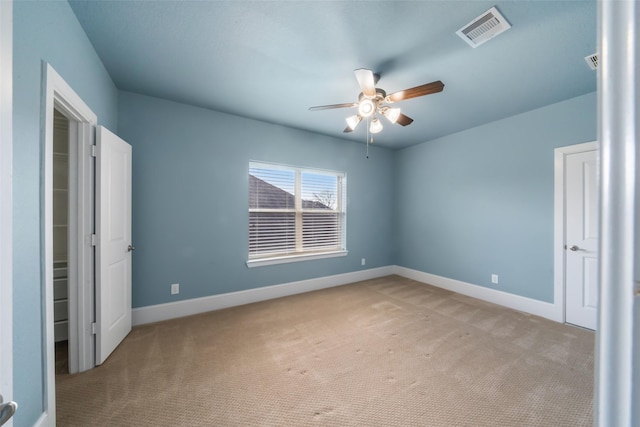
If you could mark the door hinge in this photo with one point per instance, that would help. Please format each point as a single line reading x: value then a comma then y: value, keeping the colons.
x: 94, y: 151
x: 93, y: 328
x: 94, y: 240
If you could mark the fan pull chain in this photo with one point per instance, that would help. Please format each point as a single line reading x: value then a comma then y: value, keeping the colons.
x: 369, y: 137
x: 367, y: 148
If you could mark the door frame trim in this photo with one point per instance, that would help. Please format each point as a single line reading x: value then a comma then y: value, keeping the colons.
x: 57, y: 93
x: 559, y: 220
x: 6, y: 194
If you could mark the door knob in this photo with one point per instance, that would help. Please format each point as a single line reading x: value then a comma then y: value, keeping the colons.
x: 131, y: 248
x: 573, y: 248
x: 7, y: 410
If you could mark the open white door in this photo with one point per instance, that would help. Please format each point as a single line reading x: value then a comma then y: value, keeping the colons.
x: 113, y: 249
x: 582, y: 238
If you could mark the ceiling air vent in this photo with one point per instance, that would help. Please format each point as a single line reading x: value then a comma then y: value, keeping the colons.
x: 483, y: 28
x: 592, y: 61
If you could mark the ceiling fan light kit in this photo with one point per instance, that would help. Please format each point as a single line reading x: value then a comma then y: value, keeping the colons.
x: 366, y: 107
x: 372, y: 101
x: 375, y: 126
x: 352, y: 121
x: 392, y: 114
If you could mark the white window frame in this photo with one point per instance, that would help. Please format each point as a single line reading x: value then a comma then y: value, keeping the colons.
x: 301, y: 255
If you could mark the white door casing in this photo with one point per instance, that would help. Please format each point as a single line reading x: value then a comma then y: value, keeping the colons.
x: 581, y: 230
x: 113, y: 249
x: 59, y: 95
x: 6, y: 207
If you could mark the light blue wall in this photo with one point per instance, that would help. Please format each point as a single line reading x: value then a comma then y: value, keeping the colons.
x: 481, y: 201
x: 43, y: 31
x: 471, y: 204
x: 190, y: 198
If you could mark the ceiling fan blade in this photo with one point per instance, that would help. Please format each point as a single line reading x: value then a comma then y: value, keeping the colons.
x: 367, y: 81
x: 347, y: 130
x: 404, y: 120
x: 414, y: 92
x: 329, y: 107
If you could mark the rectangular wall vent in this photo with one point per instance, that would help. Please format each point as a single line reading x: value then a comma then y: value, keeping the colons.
x: 592, y: 61
x: 483, y: 28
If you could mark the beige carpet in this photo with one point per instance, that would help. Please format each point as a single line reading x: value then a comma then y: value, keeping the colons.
x: 385, y: 352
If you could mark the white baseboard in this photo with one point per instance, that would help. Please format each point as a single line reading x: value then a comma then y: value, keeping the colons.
x: 516, y: 302
x: 172, y: 310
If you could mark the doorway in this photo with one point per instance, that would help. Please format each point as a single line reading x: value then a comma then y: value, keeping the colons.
x: 61, y: 241
x: 86, y: 194
x: 73, y: 275
x: 576, y: 233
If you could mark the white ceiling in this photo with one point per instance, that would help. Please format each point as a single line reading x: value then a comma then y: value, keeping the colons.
x: 272, y: 60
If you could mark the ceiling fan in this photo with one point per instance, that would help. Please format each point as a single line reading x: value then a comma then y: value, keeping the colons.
x: 373, y: 101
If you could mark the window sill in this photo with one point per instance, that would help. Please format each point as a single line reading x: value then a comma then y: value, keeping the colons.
x: 294, y: 258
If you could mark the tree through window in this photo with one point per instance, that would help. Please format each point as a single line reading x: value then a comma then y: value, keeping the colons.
x: 295, y: 211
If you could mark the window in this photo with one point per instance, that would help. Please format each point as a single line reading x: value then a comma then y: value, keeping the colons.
x: 295, y: 214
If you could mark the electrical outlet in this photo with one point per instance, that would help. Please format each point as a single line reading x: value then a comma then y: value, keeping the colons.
x: 175, y: 288
x: 494, y: 279
x: 363, y: 261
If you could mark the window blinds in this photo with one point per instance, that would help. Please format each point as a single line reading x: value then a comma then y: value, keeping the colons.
x: 295, y: 211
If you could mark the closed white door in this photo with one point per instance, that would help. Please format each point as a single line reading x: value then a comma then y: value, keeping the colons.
x: 113, y: 249
x: 581, y: 254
